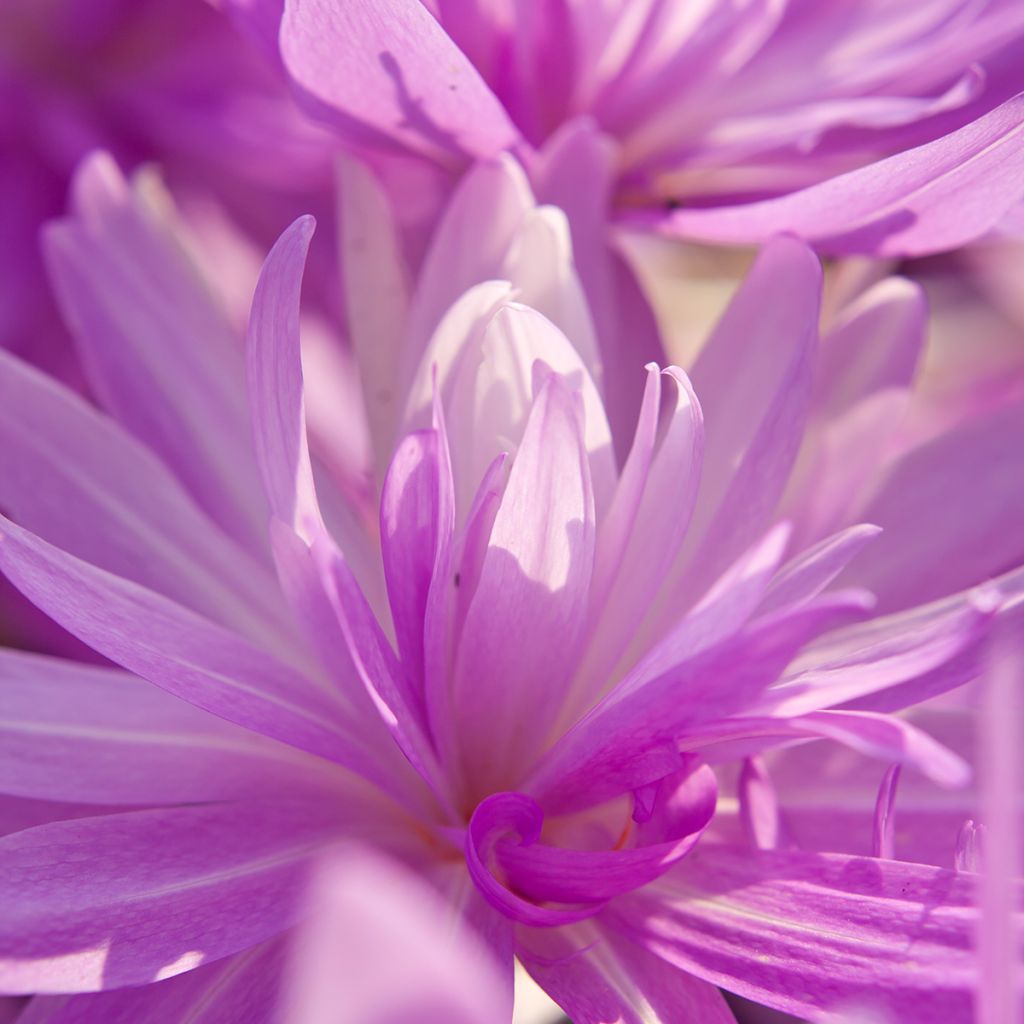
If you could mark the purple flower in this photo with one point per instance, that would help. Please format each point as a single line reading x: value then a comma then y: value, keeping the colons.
x: 888, y: 129
x: 522, y: 668
x: 156, y: 80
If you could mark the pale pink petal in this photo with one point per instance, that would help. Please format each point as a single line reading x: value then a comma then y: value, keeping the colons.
x: 875, y: 344
x: 647, y: 522
x: 469, y: 246
x: 160, y: 355
x: 274, y: 374
x: 78, y: 480
x: 753, y: 379
x: 388, y: 73
x: 382, y: 947
x: 525, y: 622
x: 492, y: 394
x: 952, y: 512
x: 83, y: 733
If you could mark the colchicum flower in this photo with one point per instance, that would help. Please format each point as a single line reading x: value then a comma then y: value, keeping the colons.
x: 150, y: 80
x: 863, y: 127
x: 542, y: 679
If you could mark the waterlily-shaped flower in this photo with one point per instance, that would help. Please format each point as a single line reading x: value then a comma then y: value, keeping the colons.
x: 518, y: 679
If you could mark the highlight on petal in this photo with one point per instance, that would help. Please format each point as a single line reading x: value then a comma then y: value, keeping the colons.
x: 387, y: 72
x: 149, y: 899
x: 940, y: 195
x: 814, y: 934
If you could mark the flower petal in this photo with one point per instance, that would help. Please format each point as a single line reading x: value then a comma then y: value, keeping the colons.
x: 388, y: 73
x: 125, y: 899
x: 83, y: 733
x: 81, y: 482
x: 932, y: 198
x: 274, y: 373
x: 525, y: 621
x: 807, y: 933
x: 179, y: 651
x: 159, y: 354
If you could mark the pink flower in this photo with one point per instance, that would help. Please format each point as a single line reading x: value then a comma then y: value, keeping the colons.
x: 887, y: 129
x: 525, y: 676
x: 149, y: 80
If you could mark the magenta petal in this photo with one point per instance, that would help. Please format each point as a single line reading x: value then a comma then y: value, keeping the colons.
x: 812, y: 570
x: 388, y: 72
x: 409, y: 511
x: 876, y: 344
x: 681, y: 813
x: 82, y: 733
x: 597, y: 975
x: 935, y: 197
x: 175, y: 649
x: 387, y: 683
x: 807, y: 933
x: 241, y: 989
x: 645, y: 526
x: 128, y: 898
x: 898, y: 659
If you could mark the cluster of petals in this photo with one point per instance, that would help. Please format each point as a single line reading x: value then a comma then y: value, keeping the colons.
x: 523, y: 669
x: 431, y: 628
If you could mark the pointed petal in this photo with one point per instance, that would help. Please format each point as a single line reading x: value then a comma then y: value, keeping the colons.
x: 753, y: 420
x: 914, y: 654
x: 78, y: 480
x: 875, y: 345
x: 468, y: 247
x: 810, y: 572
x: 274, y: 374
x: 176, y: 649
x: 647, y: 522
x: 524, y: 625
x: 630, y: 738
x: 929, y: 199
x: 159, y: 354
x: 492, y: 395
